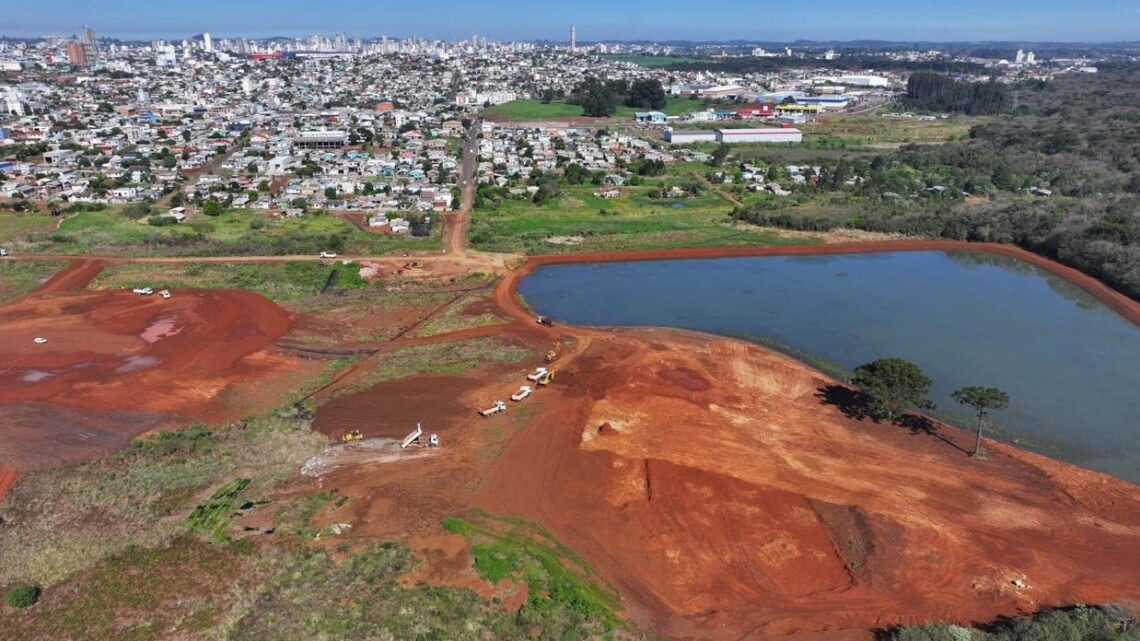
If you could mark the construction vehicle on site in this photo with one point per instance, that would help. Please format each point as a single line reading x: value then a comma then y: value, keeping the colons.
x: 538, y: 373
x: 543, y: 320
x: 524, y: 391
x: 354, y: 435
x: 499, y: 406
x: 414, y: 438
x: 545, y: 379
x: 551, y: 356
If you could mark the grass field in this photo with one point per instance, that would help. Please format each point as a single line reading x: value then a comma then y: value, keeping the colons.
x: 535, y: 110
x: 581, y: 222
x: 20, y: 277
x: 15, y: 228
x: 235, y: 233
x: 281, y: 282
x: 887, y: 131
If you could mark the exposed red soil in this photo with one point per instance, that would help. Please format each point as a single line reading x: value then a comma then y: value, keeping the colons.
x: 77, y: 275
x: 115, y: 364
x: 705, y: 479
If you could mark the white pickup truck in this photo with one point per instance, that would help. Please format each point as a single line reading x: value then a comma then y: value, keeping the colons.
x: 143, y: 291
x: 326, y: 255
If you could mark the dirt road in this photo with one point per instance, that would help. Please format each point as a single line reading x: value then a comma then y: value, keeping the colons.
x: 455, y: 232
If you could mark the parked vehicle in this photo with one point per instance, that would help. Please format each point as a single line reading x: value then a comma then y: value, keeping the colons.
x: 165, y: 293
x: 143, y: 291
x: 327, y: 255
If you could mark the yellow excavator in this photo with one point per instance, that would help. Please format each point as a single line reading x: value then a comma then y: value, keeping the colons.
x: 545, y: 378
x: 551, y: 356
x: 354, y: 435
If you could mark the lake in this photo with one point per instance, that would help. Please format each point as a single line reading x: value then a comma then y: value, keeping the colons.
x: 1069, y: 363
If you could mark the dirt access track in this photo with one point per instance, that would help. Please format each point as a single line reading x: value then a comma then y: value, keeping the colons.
x: 717, y: 487
x: 117, y: 364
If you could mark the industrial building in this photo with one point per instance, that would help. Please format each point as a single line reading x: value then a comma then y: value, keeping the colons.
x: 864, y: 81
x: 682, y: 137
x: 770, y: 134
x: 324, y: 139
x: 827, y: 102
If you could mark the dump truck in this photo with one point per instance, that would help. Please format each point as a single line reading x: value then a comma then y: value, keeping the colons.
x: 545, y: 379
x: 538, y: 373
x: 354, y: 435
x: 499, y: 406
x: 523, y: 392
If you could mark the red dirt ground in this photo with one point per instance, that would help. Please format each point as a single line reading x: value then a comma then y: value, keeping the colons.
x: 117, y: 365
x: 704, y: 478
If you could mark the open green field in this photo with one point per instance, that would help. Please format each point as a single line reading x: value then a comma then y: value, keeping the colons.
x: 280, y: 282
x: 579, y: 221
x: 651, y: 62
x: 535, y: 110
x: 20, y: 277
x: 236, y: 232
x: 877, y: 130
x: 16, y: 227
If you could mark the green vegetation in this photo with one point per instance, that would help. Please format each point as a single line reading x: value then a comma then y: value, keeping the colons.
x: 934, y: 92
x: 573, y: 219
x: 455, y: 318
x: 893, y: 386
x: 556, y: 578
x: 20, y: 277
x: 1033, y: 178
x: 982, y: 400
x: 15, y: 228
x: 213, y: 518
x: 537, y: 110
x: 1075, y: 624
x: 240, y: 232
x: 440, y: 358
x: 652, y: 62
x: 22, y: 596
x: 281, y: 282
x: 105, y: 507
x: 882, y: 130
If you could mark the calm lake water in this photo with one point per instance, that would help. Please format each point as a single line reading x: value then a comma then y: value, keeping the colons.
x: 1070, y: 364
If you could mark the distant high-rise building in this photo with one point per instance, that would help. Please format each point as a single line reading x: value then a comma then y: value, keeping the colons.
x: 90, y: 45
x: 1030, y: 58
x: 573, y: 38
x: 207, y: 42
x: 1020, y: 57
x: 77, y: 54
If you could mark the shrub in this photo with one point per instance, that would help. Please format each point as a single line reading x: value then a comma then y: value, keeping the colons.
x: 23, y: 596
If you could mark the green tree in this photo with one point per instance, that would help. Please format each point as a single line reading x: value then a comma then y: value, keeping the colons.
x: 23, y: 596
x: 212, y: 208
x: 330, y: 193
x: 646, y: 93
x: 982, y: 400
x: 893, y: 387
x: 719, y: 154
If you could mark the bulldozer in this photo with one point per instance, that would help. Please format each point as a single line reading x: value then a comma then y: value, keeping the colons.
x: 551, y: 356
x: 545, y: 378
x: 354, y: 435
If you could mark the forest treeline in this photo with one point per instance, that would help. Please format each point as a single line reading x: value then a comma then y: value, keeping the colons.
x: 935, y: 92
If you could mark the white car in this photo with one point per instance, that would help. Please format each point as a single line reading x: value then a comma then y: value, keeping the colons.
x: 327, y: 255
x: 39, y: 340
x: 143, y: 291
x: 3, y: 252
x: 165, y: 293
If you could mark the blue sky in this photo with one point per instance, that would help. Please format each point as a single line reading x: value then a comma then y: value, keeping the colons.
x: 783, y: 20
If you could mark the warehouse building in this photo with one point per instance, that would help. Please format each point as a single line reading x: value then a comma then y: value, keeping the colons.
x: 682, y: 137
x: 864, y: 81
x: 325, y: 139
x: 770, y: 134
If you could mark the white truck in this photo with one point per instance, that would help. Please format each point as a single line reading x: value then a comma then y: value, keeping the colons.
x: 524, y: 391
x: 538, y: 373
x: 144, y: 291
x: 499, y: 406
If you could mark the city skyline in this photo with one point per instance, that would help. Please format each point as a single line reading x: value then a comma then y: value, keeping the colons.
x: 892, y: 20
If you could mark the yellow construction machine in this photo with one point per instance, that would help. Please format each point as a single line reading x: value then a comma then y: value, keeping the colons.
x: 354, y: 435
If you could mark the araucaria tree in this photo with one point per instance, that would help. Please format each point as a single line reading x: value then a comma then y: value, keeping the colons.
x: 893, y: 386
x: 982, y: 399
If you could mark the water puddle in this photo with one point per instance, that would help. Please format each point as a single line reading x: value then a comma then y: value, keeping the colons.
x: 137, y: 362
x: 159, y: 329
x: 36, y: 376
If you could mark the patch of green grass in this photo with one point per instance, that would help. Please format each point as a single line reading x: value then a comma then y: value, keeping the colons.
x: 880, y: 131
x: 556, y: 577
x: 633, y: 222
x: 16, y: 228
x: 140, y: 594
x: 536, y: 110
x: 62, y: 521
x: 214, y: 517
x: 453, y: 319
x: 280, y: 282
x: 441, y: 358
x: 20, y: 277
x: 233, y: 233
x: 653, y: 62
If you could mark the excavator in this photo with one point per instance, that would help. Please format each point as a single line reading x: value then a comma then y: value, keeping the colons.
x: 545, y: 378
x: 354, y: 435
x: 551, y: 355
